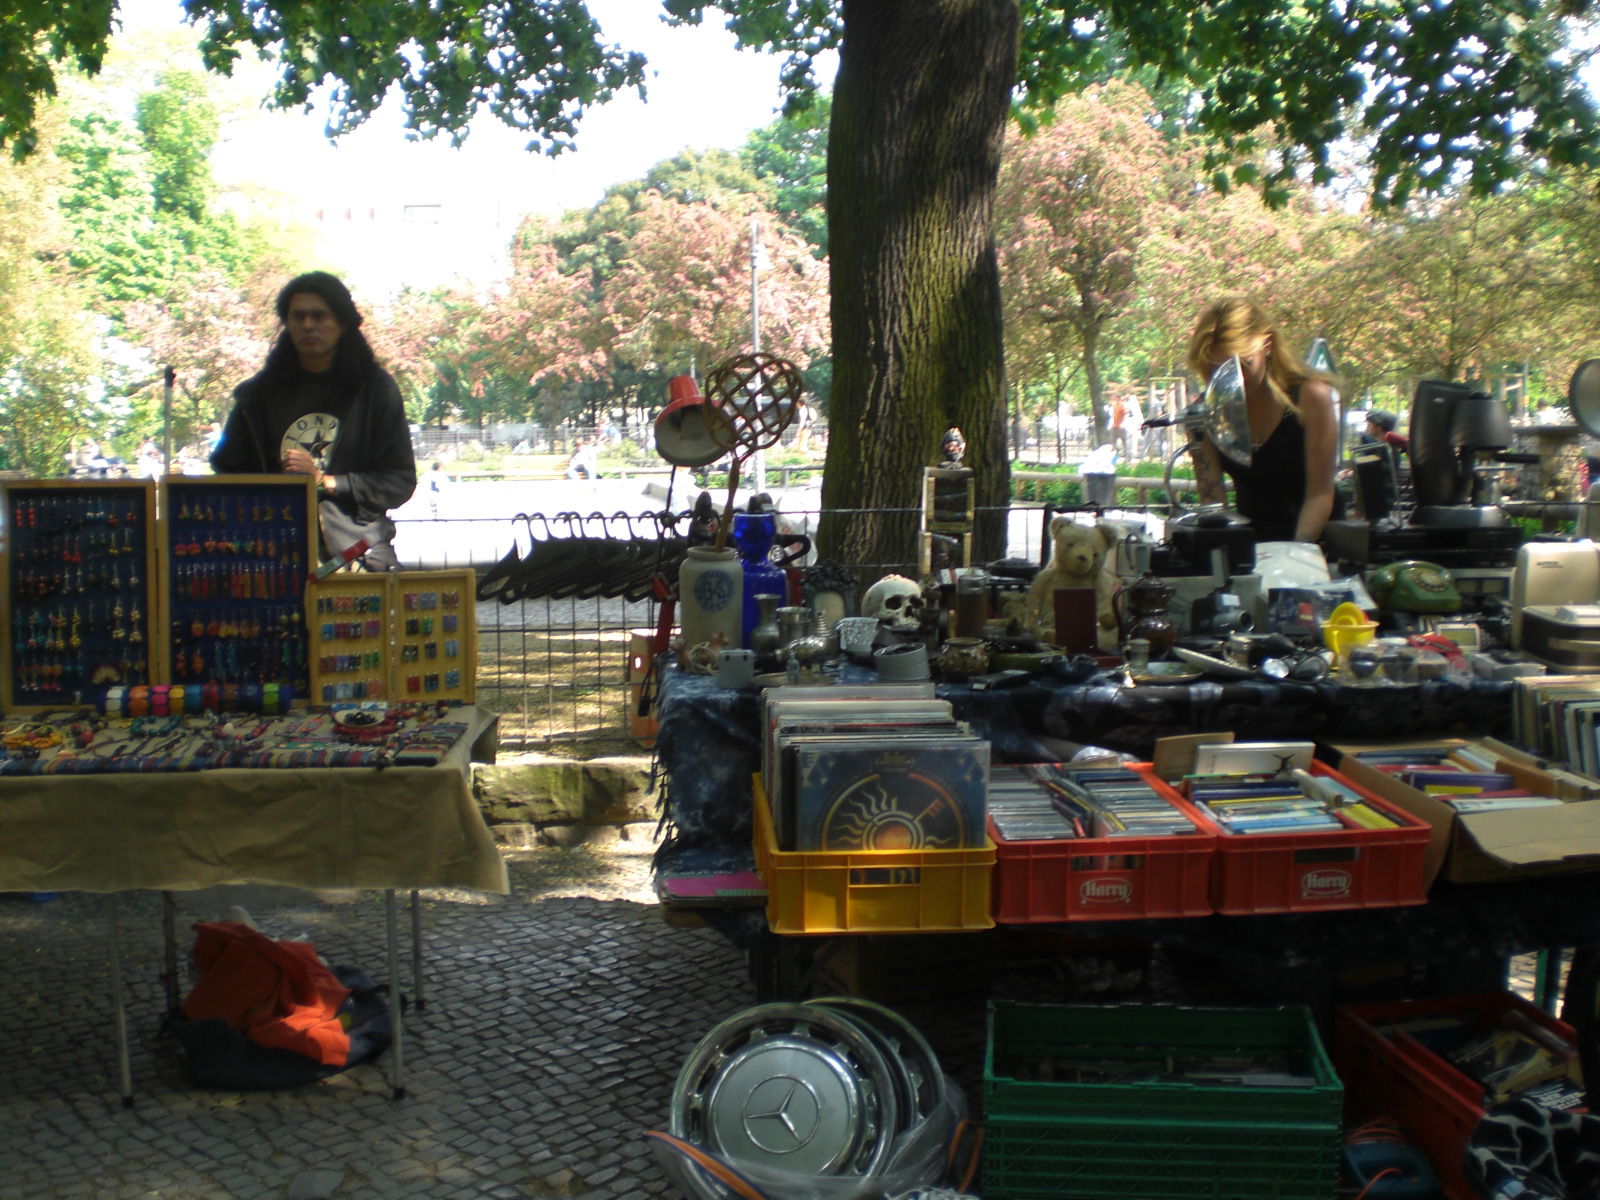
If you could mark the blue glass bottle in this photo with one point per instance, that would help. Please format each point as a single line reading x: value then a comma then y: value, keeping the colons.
x: 753, y: 534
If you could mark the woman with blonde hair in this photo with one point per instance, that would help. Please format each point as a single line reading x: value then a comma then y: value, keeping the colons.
x: 1287, y: 489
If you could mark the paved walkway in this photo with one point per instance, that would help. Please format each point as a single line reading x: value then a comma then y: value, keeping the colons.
x: 555, y: 1025
x: 556, y: 1021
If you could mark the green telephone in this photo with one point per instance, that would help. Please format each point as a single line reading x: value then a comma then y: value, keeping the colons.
x: 1414, y: 587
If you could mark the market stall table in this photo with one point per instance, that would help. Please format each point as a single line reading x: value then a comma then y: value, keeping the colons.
x: 709, y: 747
x: 709, y: 736
x: 339, y: 816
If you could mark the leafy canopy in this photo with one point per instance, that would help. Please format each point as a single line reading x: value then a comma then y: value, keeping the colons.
x: 1435, y: 89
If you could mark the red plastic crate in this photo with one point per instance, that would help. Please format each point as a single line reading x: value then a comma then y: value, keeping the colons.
x: 1392, y: 1074
x: 1322, y: 870
x: 1107, y: 878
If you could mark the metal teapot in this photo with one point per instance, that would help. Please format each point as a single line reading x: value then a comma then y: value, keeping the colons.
x: 1141, y: 610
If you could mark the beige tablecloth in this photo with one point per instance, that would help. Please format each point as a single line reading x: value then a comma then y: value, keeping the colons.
x: 332, y: 827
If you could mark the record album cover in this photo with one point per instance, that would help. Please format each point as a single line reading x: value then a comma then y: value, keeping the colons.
x: 899, y: 793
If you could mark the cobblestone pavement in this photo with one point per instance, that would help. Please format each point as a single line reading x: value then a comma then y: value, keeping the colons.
x: 555, y: 1024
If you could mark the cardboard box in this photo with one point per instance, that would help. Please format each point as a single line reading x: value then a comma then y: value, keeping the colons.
x: 1493, y: 847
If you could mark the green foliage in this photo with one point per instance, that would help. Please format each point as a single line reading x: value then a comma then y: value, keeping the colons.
x: 536, y: 67
x: 792, y: 153
x: 1438, y: 94
x: 179, y: 126
x: 116, y: 240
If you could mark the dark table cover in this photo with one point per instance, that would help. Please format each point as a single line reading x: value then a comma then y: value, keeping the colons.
x: 709, y: 745
x: 709, y: 739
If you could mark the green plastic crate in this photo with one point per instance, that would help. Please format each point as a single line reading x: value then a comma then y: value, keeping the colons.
x: 1163, y: 1140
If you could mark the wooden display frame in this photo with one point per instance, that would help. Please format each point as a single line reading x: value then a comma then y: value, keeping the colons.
x: 235, y: 555
x: 949, y: 499
x: 949, y: 509
x: 422, y: 625
x: 350, y: 630
x: 97, y: 538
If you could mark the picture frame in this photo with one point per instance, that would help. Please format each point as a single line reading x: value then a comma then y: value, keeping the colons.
x: 829, y: 589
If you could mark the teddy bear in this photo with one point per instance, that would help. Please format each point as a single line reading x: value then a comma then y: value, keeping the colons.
x: 1079, y: 557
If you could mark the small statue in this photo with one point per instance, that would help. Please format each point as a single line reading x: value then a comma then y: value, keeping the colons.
x: 953, y: 448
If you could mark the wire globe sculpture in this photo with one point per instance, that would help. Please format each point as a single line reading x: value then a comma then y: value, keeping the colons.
x: 754, y: 397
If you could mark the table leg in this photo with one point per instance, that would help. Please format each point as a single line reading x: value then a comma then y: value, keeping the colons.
x: 119, y: 1015
x: 397, y: 1061
x: 416, y: 951
x: 1581, y: 1009
x: 1547, y: 978
x: 169, y: 937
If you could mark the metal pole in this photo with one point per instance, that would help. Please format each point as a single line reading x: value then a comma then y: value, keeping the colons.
x: 169, y: 376
x: 760, y: 458
x: 755, y: 298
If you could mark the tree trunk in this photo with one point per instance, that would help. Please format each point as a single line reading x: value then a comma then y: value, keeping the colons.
x: 1103, y: 432
x: 919, y: 113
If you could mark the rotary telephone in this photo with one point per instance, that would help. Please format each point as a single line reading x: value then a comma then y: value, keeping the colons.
x: 1414, y: 587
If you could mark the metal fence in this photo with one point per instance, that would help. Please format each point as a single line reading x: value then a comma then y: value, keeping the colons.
x: 567, y: 669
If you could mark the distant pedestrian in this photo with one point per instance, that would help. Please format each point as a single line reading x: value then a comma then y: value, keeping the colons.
x: 585, y: 460
x: 150, y: 462
x: 437, y: 481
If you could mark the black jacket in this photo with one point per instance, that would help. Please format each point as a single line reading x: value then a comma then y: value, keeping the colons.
x: 372, y: 460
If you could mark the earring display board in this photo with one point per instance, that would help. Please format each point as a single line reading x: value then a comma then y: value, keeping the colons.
x: 236, y: 552
x: 79, y: 571
x: 352, y: 638
x: 402, y: 636
x: 437, y: 635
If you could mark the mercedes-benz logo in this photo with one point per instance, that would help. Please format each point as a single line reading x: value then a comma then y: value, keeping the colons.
x: 780, y: 1114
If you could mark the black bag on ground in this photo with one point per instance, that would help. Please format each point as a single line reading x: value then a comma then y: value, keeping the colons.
x: 219, y: 1056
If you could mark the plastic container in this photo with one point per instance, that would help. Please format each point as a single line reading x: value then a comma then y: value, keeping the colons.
x: 870, y: 891
x: 1388, y: 1072
x: 1322, y: 870
x: 1165, y: 1138
x: 1107, y: 878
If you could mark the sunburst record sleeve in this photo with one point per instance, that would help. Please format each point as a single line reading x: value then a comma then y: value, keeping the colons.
x: 900, y: 793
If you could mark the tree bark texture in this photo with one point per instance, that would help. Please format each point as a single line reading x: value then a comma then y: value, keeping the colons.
x: 919, y: 114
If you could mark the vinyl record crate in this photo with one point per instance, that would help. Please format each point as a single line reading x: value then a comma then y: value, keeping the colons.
x: 870, y: 891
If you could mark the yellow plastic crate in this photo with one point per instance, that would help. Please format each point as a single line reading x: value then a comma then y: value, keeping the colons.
x: 870, y: 891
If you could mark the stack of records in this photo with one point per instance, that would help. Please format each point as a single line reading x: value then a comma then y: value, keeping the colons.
x: 877, y: 768
x: 1056, y: 800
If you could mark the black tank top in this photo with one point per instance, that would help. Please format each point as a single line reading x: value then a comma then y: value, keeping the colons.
x: 1272, y: 488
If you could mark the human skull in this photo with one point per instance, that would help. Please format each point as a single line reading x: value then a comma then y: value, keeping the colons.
x: 893, y: 601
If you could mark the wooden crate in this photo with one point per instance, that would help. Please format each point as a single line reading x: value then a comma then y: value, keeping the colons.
x: 641, y: 727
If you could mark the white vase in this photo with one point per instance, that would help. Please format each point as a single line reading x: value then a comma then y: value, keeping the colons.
x: 710, y: 595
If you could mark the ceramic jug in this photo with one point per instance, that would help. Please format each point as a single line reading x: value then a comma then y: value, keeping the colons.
x: 710, y: 596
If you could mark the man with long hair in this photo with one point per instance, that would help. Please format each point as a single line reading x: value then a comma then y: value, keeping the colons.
x: 322, y: 406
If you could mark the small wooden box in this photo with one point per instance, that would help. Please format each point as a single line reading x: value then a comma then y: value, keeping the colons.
x: 641, y: 726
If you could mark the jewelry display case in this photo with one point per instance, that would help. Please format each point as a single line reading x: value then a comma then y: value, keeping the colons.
x: 80, y: 578
x: 236, y: 551
x: 407, y: 636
